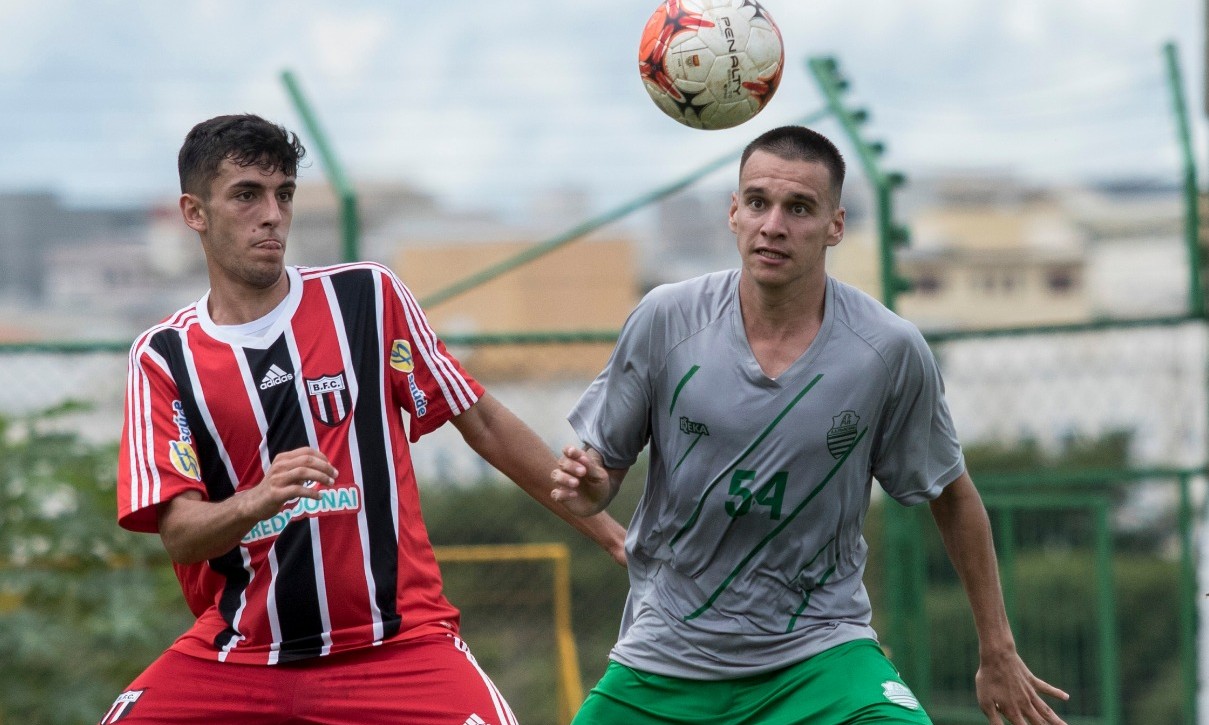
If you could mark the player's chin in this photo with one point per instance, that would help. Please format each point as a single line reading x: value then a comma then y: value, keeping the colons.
x: 264, y: 273
x: 771, y: 273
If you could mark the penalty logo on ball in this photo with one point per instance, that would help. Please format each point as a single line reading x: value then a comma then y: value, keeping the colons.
x: 711, y: 63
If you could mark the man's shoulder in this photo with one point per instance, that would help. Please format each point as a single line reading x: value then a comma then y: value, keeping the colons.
x: 365, y: 270
x: 180, y: 320
x: 871, y: 320
x: 706, y: 292
x: 673, y: 312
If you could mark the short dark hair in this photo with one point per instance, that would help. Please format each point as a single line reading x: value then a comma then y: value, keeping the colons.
x: 798, y: 143
x: 246, y: 139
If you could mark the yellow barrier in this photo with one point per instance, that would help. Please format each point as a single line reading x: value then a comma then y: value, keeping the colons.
x: 570, y: 691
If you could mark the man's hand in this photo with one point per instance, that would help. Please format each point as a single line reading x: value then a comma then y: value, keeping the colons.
x: 292, y: 475
x: 581, y: 482
x: 1009, y: 693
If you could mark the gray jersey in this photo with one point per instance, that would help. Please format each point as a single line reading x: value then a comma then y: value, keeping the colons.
x: 745, y: 552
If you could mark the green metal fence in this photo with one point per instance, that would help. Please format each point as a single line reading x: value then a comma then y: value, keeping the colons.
x: 1088, y: 444
x: 1086, y: 441
x: 1071, y: 572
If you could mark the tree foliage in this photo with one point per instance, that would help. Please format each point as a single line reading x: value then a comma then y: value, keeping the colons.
x: 84, y: 606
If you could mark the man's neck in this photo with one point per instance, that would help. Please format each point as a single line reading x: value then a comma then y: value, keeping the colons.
x: 784, y: 310
x: 780, y: 324
x: 238, y: 304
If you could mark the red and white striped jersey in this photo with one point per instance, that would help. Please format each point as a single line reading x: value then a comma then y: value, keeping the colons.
x: 207, y: 410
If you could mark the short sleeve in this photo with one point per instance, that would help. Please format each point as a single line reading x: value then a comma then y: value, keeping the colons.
x: 918, y: 452
x: 426, y: 379
x: 613, y: 415
x: 157, y: 459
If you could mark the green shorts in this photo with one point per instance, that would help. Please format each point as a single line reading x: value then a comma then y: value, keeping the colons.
x: 848, y: 684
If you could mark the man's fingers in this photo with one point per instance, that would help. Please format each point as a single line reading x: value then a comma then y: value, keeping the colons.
x: 577, y: 456
x: 1047, y: 689
x: 304, y: 464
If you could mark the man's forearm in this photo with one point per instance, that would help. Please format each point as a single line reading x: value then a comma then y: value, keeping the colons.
x: 194, y: 530
x: 512, y: 448
x: 966, y: 532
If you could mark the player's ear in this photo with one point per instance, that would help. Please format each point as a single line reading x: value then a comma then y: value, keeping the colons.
x: 836, y: 227
x: 734, y: 209
x: 194, y: 212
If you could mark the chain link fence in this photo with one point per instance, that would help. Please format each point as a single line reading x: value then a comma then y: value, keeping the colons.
x: 1061, y: 428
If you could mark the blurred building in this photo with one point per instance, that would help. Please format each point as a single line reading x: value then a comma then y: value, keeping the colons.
x: 315, y: 233
x: 585, y: 286
x: 987, y: 250
x: 1138, y: 259
x: 36, y: 223
x: 991, y: 250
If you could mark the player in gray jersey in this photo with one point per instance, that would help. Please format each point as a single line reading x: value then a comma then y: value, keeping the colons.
x: 771, y: 397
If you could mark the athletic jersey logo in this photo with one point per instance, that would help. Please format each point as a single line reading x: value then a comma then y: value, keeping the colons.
x: 842, y: 435
x: 274, y: 377
x: 184, y: 459
x: 121, y: 707
x: 331, y: 500
x: 418, y: 398
x: 900, y: 694
x: 330, y: 398
x: 400, y: 356
x: 692, y: 427
x: 180, y: 451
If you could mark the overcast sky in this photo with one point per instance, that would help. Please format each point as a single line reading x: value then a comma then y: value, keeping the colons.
x: 490, y: 102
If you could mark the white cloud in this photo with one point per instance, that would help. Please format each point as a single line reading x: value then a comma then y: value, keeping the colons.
x: 346, y: 44
x: 487, y: 102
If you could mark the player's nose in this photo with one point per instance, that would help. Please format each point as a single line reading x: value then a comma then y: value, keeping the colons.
x: 773, y: 223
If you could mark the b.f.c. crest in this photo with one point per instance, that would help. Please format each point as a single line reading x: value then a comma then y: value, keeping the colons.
x: 330, y: 398
x: 842, y: 435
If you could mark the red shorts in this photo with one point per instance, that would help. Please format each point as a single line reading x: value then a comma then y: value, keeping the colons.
x: 428, y: 680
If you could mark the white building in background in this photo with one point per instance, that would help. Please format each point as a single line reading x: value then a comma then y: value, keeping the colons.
x: 1138, y: 260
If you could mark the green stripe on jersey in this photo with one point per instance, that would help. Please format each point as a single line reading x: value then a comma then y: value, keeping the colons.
x: 692, y: 520
x: 775, y: 532
x: 683, y: 381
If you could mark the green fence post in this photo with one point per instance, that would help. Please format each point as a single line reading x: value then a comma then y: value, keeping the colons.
x: 1109, y: 660
x: 1196, y: 302
x: 890, y: 234
x: 585, y: 228
x: 1005, y: 533
x: 906, y: 636
x: 349, y: 224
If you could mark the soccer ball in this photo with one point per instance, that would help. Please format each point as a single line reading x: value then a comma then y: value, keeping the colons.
x: 711, y: 63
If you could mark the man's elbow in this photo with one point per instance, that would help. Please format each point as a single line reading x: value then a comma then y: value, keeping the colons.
x: 179, y: 551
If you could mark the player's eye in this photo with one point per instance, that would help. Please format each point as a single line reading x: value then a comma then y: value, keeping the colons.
x: 756, y: 203
x: 799, y: 210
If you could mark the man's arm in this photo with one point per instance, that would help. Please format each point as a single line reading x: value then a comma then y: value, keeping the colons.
x: 195, y: 530
x: 1006, y: 688
x: 504, y: 441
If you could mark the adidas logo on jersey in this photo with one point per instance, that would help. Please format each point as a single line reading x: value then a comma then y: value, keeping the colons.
x: 274, y: 377
x: 475, y: 720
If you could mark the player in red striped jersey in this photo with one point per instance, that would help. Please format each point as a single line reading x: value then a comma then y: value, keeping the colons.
x: 266, y: 440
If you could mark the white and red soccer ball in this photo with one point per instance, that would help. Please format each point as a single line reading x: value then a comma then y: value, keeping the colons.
x: 711, y: 63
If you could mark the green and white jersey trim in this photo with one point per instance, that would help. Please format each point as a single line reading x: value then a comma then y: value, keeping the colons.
x: 746, y: 552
